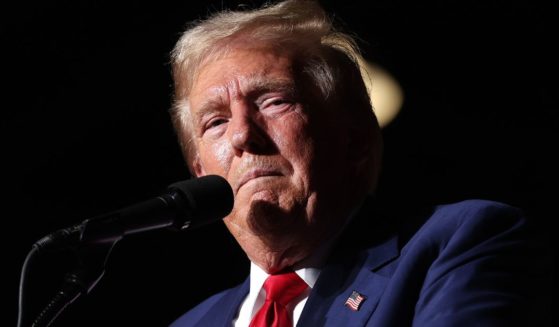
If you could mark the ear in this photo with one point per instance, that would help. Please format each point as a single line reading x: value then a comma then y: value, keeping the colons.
x: 197, y: 168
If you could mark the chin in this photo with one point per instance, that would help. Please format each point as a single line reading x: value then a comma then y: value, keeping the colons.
x: 267, y: 219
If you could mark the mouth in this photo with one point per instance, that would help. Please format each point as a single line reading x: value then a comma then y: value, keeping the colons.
x: 254, y: 174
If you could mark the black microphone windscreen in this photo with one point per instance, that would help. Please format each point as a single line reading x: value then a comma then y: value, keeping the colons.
x: 208, y: 197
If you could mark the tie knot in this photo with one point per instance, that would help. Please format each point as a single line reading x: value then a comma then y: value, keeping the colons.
x: 283, y: 288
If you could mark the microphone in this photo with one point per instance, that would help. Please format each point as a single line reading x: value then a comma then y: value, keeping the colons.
x: 185, y: 205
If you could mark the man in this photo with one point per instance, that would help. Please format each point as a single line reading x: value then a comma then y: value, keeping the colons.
x: 272, y: 100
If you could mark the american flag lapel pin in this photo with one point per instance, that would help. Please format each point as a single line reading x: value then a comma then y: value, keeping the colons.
x: 355, y: 300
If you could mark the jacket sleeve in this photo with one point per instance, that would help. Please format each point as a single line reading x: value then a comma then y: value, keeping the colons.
x: 493, y: 269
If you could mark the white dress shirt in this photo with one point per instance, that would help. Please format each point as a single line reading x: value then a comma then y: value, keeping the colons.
x: 257, y: 295
x: 307, y: 269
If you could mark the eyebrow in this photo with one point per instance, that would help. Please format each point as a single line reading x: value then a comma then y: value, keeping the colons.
x: 262, y: 84
x: 253, y: 85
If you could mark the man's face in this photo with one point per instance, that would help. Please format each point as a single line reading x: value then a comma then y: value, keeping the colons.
x: 254, y: 122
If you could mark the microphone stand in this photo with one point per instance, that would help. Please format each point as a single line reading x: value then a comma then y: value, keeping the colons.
x: 92, y: 246
x: 80, y: 281
x: 186, y: 205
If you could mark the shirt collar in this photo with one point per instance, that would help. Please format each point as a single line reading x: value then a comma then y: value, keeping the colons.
x: 308, y: 269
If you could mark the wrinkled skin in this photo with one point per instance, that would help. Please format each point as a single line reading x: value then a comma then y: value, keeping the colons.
x: 286, y: 156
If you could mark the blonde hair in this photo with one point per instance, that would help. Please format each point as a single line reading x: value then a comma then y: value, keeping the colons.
x: 330, y: 58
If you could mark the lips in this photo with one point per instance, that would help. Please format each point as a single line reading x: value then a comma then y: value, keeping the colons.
x: 255, y: 173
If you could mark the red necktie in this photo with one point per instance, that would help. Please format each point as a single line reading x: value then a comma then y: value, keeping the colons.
x: 280, y: 290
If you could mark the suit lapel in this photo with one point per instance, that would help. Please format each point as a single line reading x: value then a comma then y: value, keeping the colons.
x: 326, y: 304
x: 352, y: 267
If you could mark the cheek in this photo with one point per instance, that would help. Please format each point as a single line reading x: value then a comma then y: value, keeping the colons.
x: 215, y: 157
x: 295, y: 144
x: 291, y: 135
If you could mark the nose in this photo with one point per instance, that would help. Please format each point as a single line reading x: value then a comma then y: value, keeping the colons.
x: 245, y: 132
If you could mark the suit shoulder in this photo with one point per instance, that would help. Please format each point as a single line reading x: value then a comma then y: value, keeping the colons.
x: 469, y: 221
x: 473, y: 258
x: 478, y: 207
x: 475, y: 213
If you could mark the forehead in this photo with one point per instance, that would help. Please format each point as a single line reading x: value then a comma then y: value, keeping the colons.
x: 242, y: 68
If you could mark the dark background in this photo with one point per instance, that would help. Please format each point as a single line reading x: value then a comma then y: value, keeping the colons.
x: 85, y: 130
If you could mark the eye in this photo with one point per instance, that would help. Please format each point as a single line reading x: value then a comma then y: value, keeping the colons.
x: 275, y: 103
x: 215, y: 122
x: 214, y: 126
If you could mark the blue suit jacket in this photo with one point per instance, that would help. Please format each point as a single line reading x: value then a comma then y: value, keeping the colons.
x: 473, y: 263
